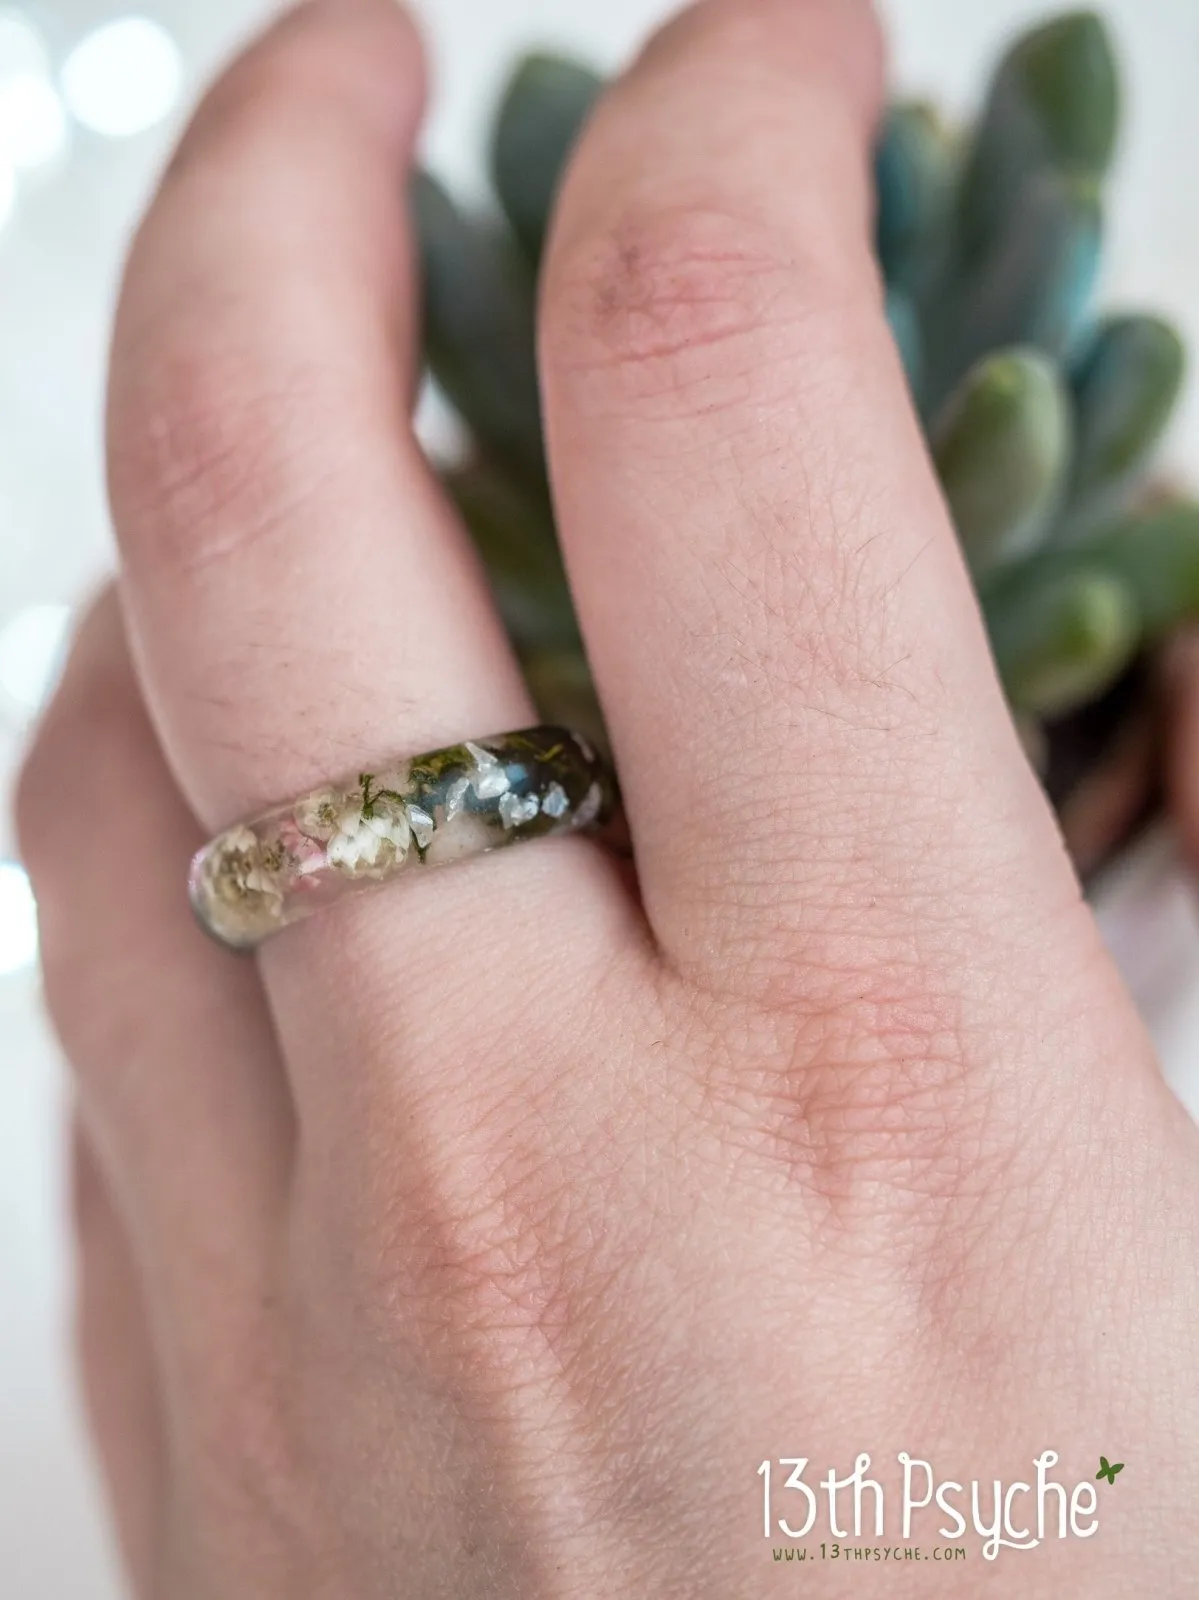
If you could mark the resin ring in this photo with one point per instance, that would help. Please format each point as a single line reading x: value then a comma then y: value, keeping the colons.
x: 413, y: 812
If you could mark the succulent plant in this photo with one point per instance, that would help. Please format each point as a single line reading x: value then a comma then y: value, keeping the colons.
x: 1043, y: 417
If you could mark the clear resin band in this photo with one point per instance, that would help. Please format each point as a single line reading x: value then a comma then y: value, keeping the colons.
x: 416, y: 812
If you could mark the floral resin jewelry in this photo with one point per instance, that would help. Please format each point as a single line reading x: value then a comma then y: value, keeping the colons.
x: 415, y: 812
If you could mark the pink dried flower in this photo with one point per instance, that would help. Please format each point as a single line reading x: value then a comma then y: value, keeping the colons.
x: 307, y: 852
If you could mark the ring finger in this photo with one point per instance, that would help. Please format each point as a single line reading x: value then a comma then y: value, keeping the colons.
x: 303, y: 603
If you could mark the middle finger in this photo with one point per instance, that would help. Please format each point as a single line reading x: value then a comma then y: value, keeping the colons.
x: 811, y: 738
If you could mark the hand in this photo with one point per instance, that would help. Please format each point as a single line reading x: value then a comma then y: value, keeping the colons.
x: 485, y: 1235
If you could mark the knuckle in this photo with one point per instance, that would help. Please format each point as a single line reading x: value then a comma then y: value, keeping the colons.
x: 206, y: 454
x: 679, y: 299
x: 867, y: 1090
x: 692, y: 306
x: 888, y: 1084
x: 181, y: 435
x: 488, y: 1239
x: 497, y: 1261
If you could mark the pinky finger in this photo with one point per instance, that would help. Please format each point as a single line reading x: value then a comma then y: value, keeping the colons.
x: 118, y: 1369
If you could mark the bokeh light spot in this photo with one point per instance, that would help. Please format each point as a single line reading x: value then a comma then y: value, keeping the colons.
x: 124, y: 77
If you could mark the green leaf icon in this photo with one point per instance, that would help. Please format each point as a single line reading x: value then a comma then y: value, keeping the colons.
x: 1106, y: 1470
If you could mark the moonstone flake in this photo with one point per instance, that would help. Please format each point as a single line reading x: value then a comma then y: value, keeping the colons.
x: 292, y: 860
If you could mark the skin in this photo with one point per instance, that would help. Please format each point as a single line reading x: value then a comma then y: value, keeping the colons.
x: 482, y: 1236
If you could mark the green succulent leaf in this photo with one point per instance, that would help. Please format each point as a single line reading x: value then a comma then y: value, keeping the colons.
x: 543, y: 109
x: 1032, y: 288
x: 1089, y: 608
x: 1157, y: 556
x: 1154, y: 556
x: 1053, y: 103
x: 1002, y: 451
x: 1062, y: 643
x: 561, y: 685
x: 479, y: 326
x: 913, y: 174
x: 513, y: 530
x: 1126, y: 382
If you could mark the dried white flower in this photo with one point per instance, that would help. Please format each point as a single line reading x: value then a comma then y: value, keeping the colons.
x: 360, y: 842
x: 239, y: 874
x: 318, y: 814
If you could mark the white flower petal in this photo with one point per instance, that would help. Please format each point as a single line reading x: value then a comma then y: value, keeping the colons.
x: 316, y: 815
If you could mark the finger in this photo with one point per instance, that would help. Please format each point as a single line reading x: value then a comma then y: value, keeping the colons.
x: 299, y: 597
x: 809, y: 731
x: 120, y: 1382
x: 178, y: 1078
x: 302, y: 600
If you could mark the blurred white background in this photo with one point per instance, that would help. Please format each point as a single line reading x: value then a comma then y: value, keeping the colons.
x: 91, y: 96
